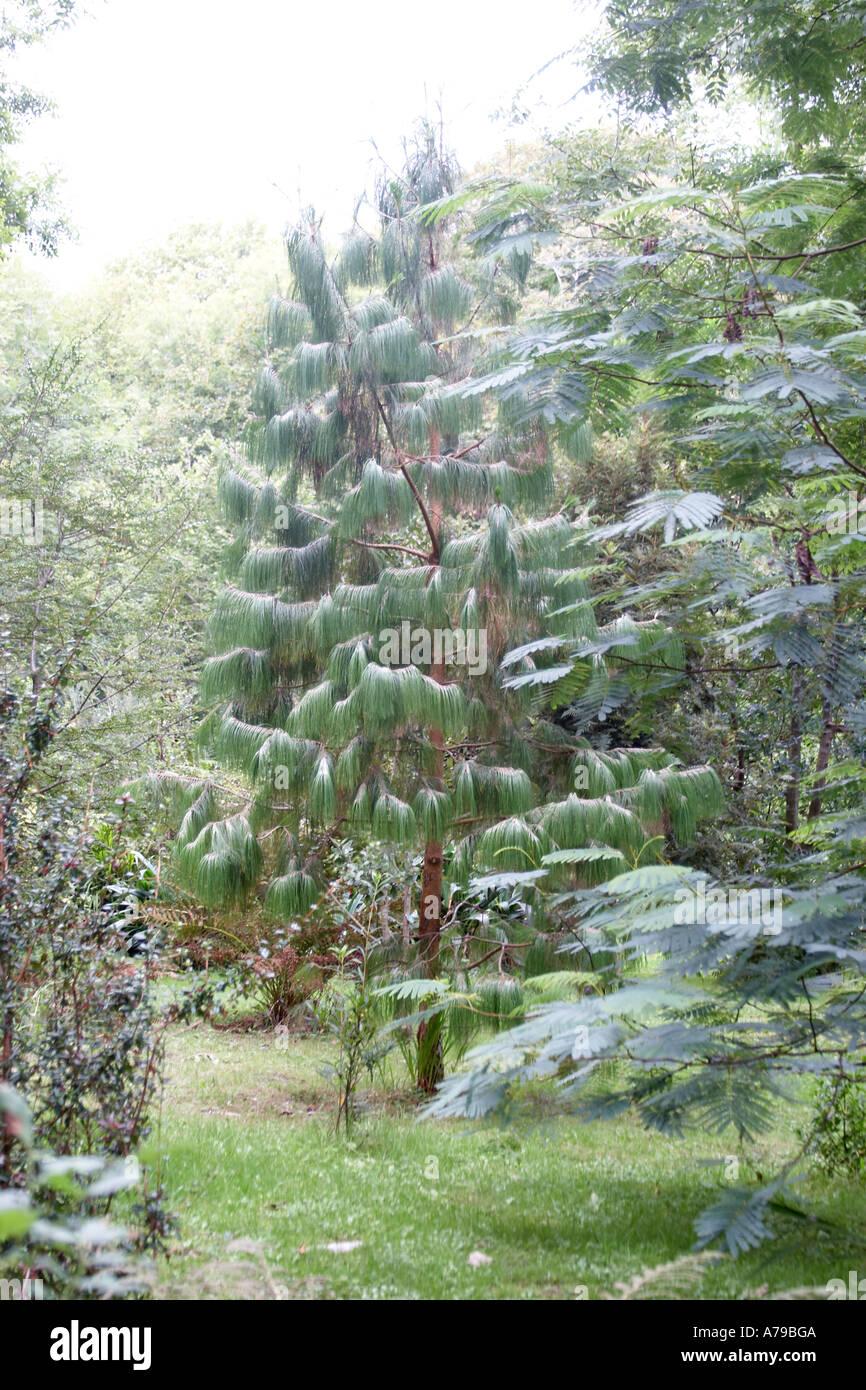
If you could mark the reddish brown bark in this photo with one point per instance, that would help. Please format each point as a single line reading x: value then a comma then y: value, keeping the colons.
x: 430, y: 1066
x: 829, y: 730
x: 430, y: 916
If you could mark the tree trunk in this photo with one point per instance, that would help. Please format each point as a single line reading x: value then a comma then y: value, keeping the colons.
x: 407, y: 908
x: 739, y: 773
x: 430, y: 1066
x: 740, y: 770
x: 795, y: 748
x: 431, y: 907
x: 430, y: 916
x: 829, y: 730
x: 385, y: 917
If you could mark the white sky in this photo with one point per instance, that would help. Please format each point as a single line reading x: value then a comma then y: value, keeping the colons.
x: 170, y: 111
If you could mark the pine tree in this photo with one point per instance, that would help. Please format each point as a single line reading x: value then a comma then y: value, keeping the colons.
x: 388, y: 558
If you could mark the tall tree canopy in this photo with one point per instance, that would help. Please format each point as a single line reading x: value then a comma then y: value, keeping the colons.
x: 393, y: 546
x: 806, y: 57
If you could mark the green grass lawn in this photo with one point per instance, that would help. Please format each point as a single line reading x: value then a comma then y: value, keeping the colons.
x: 261, y: 1186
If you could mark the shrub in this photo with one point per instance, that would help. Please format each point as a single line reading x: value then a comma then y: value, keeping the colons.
x: 80, y: 1037
x: 78, y: 1252
x: 839, y: 1126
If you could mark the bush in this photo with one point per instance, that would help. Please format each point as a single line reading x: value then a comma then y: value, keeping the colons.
x: 839, y: 1127
x: 80, y: 1038
x: 276, y: 991
x: 78, y: 1252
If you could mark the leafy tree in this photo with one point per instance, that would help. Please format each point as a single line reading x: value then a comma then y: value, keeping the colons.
x: 806, y: 58
x: 720, y: 292
x: 107, y: 520
x: 177, y: 335
x: 26, y: 204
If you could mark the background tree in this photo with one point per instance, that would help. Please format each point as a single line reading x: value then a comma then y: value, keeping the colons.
x: 107, y: 443
x: 805, y: 58
x: 27, y: 209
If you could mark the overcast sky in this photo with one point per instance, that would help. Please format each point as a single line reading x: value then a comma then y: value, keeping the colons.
x: 176, y: 110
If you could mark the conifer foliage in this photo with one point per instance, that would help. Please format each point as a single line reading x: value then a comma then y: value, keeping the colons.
x: 395, y: 541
